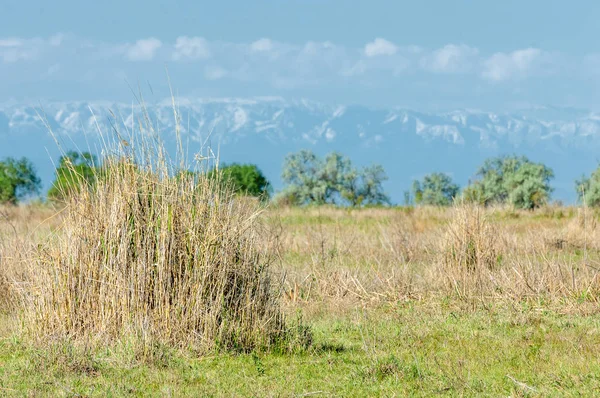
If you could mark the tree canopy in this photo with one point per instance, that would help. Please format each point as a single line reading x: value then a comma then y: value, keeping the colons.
x: 334, y: 180
x: 74, y: 171
x: 246, y: 179
x: 18, y: 179
x: 514, y: 180
x: 588, y: 189
x: 435, y: 189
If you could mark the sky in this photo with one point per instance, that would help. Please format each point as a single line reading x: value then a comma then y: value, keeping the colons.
x: 427, y: 55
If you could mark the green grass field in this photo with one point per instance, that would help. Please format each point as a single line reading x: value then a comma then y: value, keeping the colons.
x: 385, y: 319
x: 396, y: 349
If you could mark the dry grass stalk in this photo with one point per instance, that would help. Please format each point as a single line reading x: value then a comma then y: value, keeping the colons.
x: 363, y: 257
x: 163, y: 256
x: 471, y: 241
x: 469, y: 252
x: 20, y: 230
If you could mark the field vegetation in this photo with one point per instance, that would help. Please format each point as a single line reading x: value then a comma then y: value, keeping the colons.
x: 379, y: 301
x: 141, y: 277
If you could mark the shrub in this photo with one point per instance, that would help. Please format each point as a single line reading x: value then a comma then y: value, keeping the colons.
x: 169, y: 258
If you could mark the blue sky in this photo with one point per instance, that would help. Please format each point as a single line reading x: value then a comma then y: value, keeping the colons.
x: 422, y: 54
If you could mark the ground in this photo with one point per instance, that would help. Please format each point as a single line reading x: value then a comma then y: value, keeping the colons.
x: 389, y: 315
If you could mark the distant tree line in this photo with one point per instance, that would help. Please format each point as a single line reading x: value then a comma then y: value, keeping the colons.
x: 332, y: 179
x: 501, y: 180
x: 310, y: 179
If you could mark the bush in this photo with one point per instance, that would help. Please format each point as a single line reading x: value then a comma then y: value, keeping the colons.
x: 174, y: 259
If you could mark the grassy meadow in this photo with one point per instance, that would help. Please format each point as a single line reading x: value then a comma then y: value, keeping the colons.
x: 424, y: 301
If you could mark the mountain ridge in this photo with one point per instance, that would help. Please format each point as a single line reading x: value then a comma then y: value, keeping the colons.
x: 262, y: 130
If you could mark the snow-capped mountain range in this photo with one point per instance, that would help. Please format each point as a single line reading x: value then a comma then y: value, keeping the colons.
x: 408, y: 143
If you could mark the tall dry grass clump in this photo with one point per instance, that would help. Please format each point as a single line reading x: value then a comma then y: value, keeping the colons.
x: 20, y: 228
x: 160, y: 256
x: 9, y: 250
x: 6, y: 292
x: 470, y: 252
x: 471, y: 242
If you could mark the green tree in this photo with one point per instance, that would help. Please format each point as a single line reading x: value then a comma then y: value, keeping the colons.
x: 588, y: 189
x: 74, y: 171
x: 340, y: 178
x: 473, y: 194
x: 435, y: 189
x: 246, y: 179
x: 514, y: 180
x: 311, y: 180
x: 17, y: 180
x: 370, y: 187
x: 302, y: 172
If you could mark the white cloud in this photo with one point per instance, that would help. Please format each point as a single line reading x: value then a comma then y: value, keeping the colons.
x: 214, y: 72
x: 355, y: 69
x: 316, y: 62
x: 143, y: 50
x: 377, y: 68
x: 56, y: 40
x: 315, y: 48
x: 380, y: 47
x: 262, y: 45
x: 268, y: 64
x: 11, y: 42
x: 14, y: 49
x: 503, y: 66
x: 451, y: 58
x: 191, y: 48
x: 330, y: 134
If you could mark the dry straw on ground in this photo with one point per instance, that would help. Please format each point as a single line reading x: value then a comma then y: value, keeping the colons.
x: 341, y: 257
x: 465, y: 253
